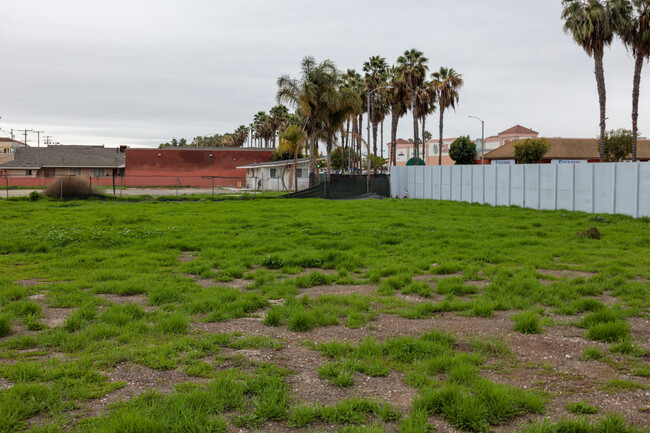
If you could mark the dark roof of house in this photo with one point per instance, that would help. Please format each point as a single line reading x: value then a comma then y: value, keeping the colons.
x: 66, y: 157
x: 518, y: 129
x: 567, y: 148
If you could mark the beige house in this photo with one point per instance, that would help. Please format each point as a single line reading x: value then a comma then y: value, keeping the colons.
x: 8, y: 147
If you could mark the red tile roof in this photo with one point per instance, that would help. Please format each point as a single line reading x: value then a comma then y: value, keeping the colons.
x: 567, y: 148
x: 400, y: 141
x: 518, y: 129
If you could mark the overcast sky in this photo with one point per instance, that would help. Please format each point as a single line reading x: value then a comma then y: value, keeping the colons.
x: 140, y: 72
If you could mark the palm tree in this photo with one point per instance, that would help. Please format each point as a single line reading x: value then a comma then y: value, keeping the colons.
x: 353, y: 81
x: 592, y: 25
x: 309, y: 94
x: 425, y: 104
x: 278, y: 120
x: 633, y: 19
x: 376, y: 70
x: 447, y: 83
x: 413, y: 69
x: 397, y: 99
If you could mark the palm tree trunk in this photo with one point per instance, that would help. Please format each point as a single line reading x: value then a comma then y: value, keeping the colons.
x: 381, y: 141
x: 424, y: 141
x: 415, y: 129
x: 442, y: 118
x: 393, y: 136
x: 599, y: 71
x: 359, y: 142
x: 638, y: 66
x: 375, y: 123
x: 353, y: 149
x: 312, y: 159
x: 329, y: 159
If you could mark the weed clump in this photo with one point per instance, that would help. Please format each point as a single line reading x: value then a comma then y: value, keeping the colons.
x: 527, y: 322
x: 5, y: 325
x: 581, y: 408
x: 592, y: 233
x: 71, y: 187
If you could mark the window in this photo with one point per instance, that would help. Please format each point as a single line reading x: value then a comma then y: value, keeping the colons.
x: 98, y: 172
x: 301, y: 172
x: 274, y: 173
x: 75, y: 171
x: 28, y: 172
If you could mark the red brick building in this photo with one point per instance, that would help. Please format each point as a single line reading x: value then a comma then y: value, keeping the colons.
x: 191, y: 166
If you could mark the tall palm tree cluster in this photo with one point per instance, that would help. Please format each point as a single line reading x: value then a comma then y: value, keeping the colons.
x: 331, y: 104
x: 594, y: 24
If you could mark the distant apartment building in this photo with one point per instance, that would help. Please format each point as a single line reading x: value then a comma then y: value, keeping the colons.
x: 8, y: 147
x: 430, y: 152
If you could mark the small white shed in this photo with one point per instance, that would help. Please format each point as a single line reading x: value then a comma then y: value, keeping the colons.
x: 274, y: 176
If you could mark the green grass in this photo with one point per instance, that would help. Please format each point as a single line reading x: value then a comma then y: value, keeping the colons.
x: 581, y: 408
x: 88, y: 251
x: 527, y: 322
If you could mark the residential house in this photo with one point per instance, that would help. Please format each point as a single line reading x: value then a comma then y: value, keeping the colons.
x: 275, y: 176
x: 565, y: 151
x: 59, y: 160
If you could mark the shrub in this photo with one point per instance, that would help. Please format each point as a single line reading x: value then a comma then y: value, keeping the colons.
x: 531, y: 150
x: 463, y: 151
x: 592, y: 233
x: 34, y: 196
x: 592, y: 353
x: 70, y: 187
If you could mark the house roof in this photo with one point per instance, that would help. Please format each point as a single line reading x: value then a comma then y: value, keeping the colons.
x: 66, y: 157
x: 277, y: 163
x: 518, y: 129
x: 400, y: 141
x: 567, y: 148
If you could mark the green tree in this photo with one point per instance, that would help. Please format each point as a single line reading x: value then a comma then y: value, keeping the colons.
x: 618, y: 144
x: 310, y: 94
x: 463, y: 151
x: 341, y: 157
x: 353, y: 81
x: 447, y: 83
x: 592, y: 25
x: 633, y: 17
x: 531, y: 150
x: 412, y: 66
x: 425, y: 104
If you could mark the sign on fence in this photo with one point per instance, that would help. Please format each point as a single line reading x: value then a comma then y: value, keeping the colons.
x: 613, y: 188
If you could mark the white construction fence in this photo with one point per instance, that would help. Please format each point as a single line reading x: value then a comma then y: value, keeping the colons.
x: 611, y: 188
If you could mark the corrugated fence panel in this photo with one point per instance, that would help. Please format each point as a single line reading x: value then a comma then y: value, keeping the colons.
x: 643, y: 193
x: 625, y: 188
x: 584, y: 187
x: 622, y: 188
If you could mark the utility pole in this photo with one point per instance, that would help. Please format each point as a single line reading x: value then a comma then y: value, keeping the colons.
x: 47, y: 139
x: 38, y: 134
x: 25, y: 131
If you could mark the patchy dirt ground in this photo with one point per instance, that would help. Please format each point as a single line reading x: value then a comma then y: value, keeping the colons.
x: 550, y: 361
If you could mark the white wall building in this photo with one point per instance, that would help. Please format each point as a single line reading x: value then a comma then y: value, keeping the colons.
x: 274, y: 176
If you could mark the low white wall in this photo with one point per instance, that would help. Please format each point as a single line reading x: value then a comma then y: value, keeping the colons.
x: 614, y: 188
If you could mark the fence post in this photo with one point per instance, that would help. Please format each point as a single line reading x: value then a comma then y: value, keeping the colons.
x: 509, y: 185
x: 483, y: 173
x: 61, y: 184
x: 637, y: 203
x: 461, y: 183
x: 539, y: 186
x: 176, y: 186
x: 440, y: 183
x: 90, y: 181
x: 573, y: 188
x: 496, y: 182
x: 523, y: 182
x: 7, y: 182
x: 555, y: 187
x: 471, y: 184
x: 593, y: 188
x: 614, y: 188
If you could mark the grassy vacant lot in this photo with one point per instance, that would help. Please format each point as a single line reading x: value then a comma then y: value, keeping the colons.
x: 286, y: 316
